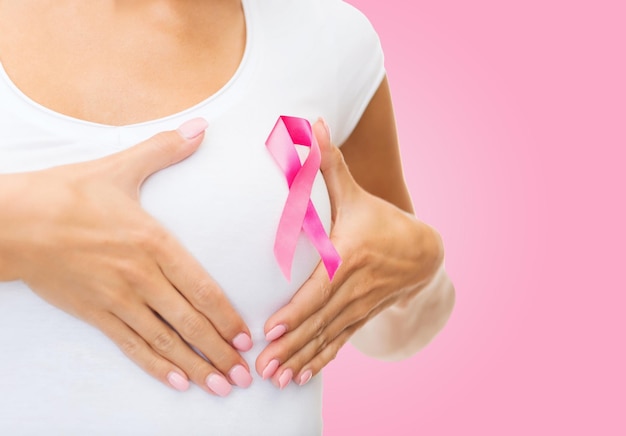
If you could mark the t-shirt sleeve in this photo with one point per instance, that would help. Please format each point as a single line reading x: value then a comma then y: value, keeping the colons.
x: 358, y: 56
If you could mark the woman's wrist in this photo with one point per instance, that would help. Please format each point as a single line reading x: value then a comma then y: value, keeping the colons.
x: 402, y: 330
x: 425, y: 248
x: 421, y: 308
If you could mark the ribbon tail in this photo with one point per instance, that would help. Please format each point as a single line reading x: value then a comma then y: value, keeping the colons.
x: 292, y: 219
x: 283, y: 257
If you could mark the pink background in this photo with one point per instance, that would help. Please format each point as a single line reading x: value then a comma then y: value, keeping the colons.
x: 512, y: 121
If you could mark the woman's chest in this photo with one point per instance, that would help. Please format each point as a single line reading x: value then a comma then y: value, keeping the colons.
x: 223, y: 203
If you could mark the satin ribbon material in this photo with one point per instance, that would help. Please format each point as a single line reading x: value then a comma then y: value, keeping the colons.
x: 299, y: 213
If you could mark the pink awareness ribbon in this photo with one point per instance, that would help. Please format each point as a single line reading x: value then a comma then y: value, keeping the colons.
x: 299, y: 212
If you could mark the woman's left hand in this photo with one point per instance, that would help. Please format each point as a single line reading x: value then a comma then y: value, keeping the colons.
x: 387, y: 257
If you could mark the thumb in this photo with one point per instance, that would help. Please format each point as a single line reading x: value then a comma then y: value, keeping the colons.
x: 135, y: 165
x: 339, y: 181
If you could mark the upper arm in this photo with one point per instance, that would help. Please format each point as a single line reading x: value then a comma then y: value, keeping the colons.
x: 372, y: 152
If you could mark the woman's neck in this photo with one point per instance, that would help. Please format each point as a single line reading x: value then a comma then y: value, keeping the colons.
x: 176, y: 15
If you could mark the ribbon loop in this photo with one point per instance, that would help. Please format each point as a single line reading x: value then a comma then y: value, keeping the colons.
x: 299, y: 213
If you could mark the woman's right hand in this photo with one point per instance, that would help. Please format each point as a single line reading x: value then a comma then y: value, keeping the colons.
x: 77, y: 235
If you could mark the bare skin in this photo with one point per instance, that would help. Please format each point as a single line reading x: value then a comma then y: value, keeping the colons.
x: 161, y: 57
x: 158, y: 57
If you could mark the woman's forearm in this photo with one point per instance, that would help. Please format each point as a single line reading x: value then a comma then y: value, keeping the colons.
x: 373, y: 155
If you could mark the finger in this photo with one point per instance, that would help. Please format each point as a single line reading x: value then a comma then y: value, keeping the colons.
x: 350, y: 319
x: 168, y: 344
x: 297, y: 348
x: 311, y: 297
x: 196, y: 330
x: 136, y: 349
x: 316, y: 293
x: 186, y: 274
x: 132, y: 166
x: 305, y: 317
x: 339, y: 181
x: 302, y: 374
x: 325, y: 356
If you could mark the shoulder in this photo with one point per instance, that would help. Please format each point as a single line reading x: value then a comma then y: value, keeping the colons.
x: 326, y: 48
x: 334, y: 16
x: 333, y: 29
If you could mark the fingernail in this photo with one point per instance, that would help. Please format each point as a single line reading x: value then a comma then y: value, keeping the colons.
x: 240, y: 376
x: 193, y: 128
x: 305, y: 377
x: 285, y: 378
x: 270, y: 369
x: 177, y: 381
x: 276, y: 333
x: 218, y: 384
x: 242, y: 342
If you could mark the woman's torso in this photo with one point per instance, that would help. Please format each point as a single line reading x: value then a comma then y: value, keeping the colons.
x: 62, y: 376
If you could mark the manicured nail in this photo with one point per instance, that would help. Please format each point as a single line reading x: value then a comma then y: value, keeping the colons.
x: 276, y: 333
x: 240, y: 376
x: 177, y: 381
x: 285, y: 378
x: 305, y: 377
x: 270, y: 369
x: 242, y: 342
x: 218, y: 384
x: 193, y: 128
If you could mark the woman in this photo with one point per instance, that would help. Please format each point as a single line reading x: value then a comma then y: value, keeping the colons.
x: 81, y: 84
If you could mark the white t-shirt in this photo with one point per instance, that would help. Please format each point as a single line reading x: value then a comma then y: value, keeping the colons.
x: 306, y: 58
